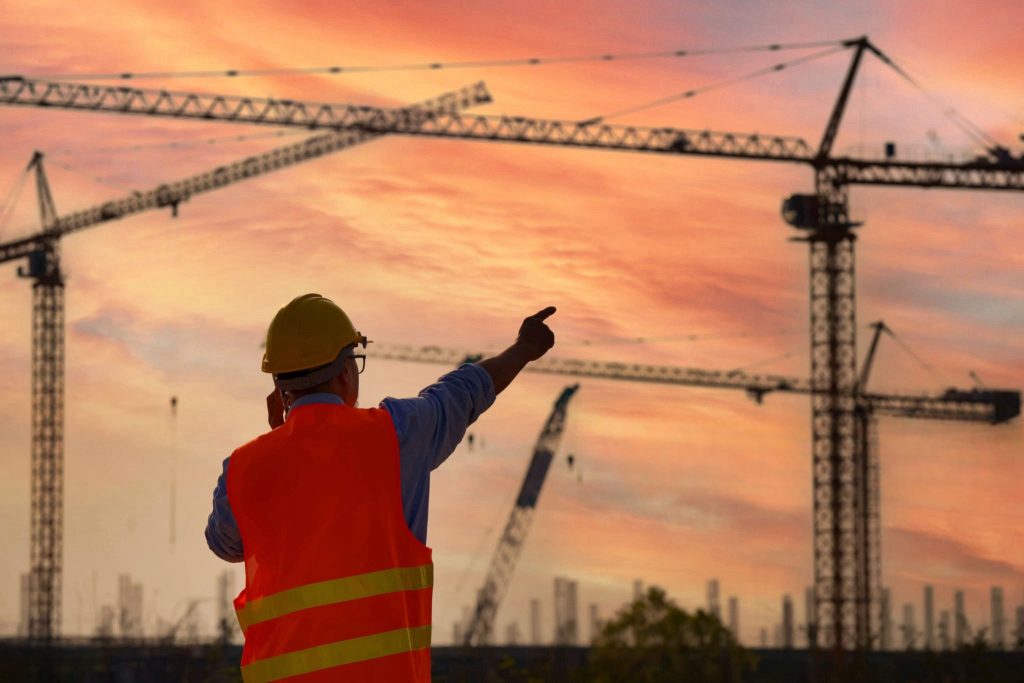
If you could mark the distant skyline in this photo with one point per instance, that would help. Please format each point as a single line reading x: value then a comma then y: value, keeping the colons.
x: 453, y: 243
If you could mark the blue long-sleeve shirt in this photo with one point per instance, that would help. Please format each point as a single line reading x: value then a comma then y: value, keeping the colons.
x: 429, y: 427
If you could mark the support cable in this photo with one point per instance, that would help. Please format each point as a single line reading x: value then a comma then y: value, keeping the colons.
x: 679, y: 338
x: 96, y: 179
x: 968, y: 127
x: 774, y: 359
x: 920, y: 361
x: 177, y: 144
x: 7, y: 210
x: 434, y: 66
x: 714, y: 86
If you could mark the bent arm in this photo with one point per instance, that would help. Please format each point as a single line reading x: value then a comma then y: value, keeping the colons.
x: 222, y: 535
x: 430, y: 426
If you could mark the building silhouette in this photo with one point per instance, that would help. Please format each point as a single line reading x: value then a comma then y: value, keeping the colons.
x: 23, y: 606
x: 734, y: 617
x: 998, y: 618
x: 535, y: 637
x: 944, y: 637
x: 959, y: 620
x: 788, y: 630
x: 595, y: 622
x: 566, y: 612
x: 714, y: 608
x: 512, y: 633
x: 929, y: 617
x: 129, y: 607
x: 886, y: 619
x: 909, y: 628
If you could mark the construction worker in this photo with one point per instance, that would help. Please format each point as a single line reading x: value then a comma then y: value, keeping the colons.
x: 328, y: 510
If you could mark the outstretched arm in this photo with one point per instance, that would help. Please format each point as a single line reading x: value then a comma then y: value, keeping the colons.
x: 535, y: 338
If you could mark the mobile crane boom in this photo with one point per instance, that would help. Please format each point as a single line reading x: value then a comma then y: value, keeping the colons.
x: 481, y: 624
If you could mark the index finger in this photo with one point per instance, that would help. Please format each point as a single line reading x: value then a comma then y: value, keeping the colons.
x: 544, y: 314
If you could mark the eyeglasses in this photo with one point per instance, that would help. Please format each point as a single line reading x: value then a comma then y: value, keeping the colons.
x: 360, y: 360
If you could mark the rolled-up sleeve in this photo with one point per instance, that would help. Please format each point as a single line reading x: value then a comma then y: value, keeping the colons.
x: 430, y: 426
x: 222, y: 533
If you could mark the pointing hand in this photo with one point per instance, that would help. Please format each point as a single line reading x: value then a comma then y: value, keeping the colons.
x: 535, y: 337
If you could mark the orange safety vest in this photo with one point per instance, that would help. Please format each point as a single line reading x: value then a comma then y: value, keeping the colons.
x: 336, y: 586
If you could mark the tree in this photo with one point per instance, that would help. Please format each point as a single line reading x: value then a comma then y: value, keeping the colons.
x: 653, y: 640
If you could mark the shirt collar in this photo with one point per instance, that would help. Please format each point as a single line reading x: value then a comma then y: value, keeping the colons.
x: 310, y: 399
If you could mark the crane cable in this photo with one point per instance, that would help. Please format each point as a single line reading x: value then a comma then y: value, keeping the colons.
x: 942, y: 377
x: 433, y: 66
x: 785, y: 331
x: 968, y: 127
x: 96, y: 179
x: 714, y: 86
x: 190, y: 143
x: 7, y: 210
x: 774, y: 359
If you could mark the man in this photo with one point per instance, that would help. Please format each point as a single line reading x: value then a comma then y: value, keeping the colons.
x: 328, y: 510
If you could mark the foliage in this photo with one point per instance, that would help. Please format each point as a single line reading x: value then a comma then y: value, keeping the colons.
x: 653, y: 640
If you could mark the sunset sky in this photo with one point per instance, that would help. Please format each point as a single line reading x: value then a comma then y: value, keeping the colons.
x: 452, y: 243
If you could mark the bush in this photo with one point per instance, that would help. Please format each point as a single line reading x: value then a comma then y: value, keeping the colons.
x: 653, y: 640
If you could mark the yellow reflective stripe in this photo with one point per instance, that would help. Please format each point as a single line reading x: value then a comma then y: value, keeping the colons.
x: 336, y: 654
x: 333, y: 591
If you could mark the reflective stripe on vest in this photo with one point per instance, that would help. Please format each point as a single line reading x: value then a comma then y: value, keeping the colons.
x: 334, y: 591
x: 336, y: 654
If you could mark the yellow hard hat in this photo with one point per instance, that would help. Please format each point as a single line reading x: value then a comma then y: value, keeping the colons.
x: 307, y: 333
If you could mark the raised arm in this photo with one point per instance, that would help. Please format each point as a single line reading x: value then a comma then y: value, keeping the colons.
x: 535, y: 338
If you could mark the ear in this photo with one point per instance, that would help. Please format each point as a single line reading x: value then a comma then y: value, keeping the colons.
x: 339, y: 385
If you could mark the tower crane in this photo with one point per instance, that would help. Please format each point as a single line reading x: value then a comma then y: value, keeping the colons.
x: 994, y: 406
x: 991, y: 406
x: 844, y: 604
x: 42, y: 250
x: 503, y: 562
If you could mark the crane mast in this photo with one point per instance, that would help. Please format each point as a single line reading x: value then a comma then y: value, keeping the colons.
x: 47, y: 496
x: 499, y: 574
x: 869, y: 506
